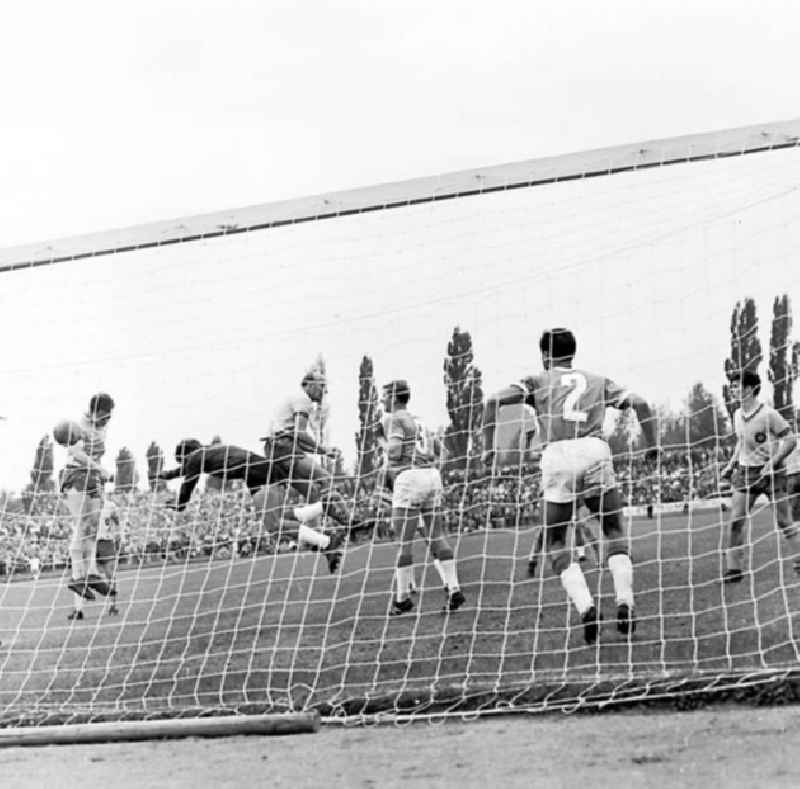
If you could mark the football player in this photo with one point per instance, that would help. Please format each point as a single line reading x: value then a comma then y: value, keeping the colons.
x: 763, y: 442
x: 225, y: 461
x: 792, y: 464
x: 576, y: 463
x: 291, y: 449
x: 106, y: 555
x: 83, y: 483
x: 416, y: 493
x: 583, y: 537
x: 231, y: 462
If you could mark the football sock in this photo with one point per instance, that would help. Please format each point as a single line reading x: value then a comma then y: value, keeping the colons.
x: 312, y: 536
x: 78, y: 601
x: 405, y: 577
x: 574, y: 583
x: 438, y: 565
x: 449, y: 575
x: 309, y: 512
x: 622, y: 575
x: 733, y: 558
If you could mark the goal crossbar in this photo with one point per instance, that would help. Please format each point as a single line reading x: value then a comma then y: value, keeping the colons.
x: 630, y: 157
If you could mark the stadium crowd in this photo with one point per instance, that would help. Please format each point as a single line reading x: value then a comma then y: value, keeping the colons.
x: 224, y: 525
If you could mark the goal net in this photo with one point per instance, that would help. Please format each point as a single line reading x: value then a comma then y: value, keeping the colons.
x: 666, y: 259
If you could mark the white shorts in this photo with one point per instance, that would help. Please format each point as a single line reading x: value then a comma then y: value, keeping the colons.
x: 417, y: 488
x: 576, y: 467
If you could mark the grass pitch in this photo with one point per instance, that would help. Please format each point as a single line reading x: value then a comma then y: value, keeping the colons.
x: 280, y: 632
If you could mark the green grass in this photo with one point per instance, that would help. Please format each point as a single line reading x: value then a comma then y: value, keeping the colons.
x: 257, y: 631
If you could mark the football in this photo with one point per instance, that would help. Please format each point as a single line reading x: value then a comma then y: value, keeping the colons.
x: 67, y: 433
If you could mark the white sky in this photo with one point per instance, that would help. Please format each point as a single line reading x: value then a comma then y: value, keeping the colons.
x: 114, y: 117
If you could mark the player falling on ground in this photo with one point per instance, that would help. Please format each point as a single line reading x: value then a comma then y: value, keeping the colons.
x: 576, y: 462
x: 82, y: 483
x: 106, y: 553
x: 763, y: 441
x: 229, y: 462
x: 416, y: 486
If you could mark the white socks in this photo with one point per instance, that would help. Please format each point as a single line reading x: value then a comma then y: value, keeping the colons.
x: 78, y: 601
x: 574, y: 583
x: 622, y: 574
x: 312, y: 536
x: 447, y: 570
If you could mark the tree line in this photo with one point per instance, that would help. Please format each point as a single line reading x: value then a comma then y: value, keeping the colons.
x: 702, y: 419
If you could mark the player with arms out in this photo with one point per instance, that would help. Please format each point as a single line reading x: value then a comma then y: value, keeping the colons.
x: 416, y: 493
x: 576, y: 463
x: 763, y: 442
x: 82, y: 483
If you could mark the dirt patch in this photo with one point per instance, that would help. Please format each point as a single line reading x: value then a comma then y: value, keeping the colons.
x: 723, y: 746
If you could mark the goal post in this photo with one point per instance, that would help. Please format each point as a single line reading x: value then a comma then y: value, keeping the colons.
x: 672, y: 261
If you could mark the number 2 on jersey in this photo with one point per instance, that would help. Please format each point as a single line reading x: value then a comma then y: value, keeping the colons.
x: 577, y: 384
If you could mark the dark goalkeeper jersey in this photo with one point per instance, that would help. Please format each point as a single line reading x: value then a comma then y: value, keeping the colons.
x: 219, y: 460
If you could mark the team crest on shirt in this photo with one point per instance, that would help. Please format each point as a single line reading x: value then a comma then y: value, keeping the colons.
x: 760, y: 437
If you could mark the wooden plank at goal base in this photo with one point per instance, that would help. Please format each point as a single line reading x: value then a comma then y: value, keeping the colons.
x: 127, y: 731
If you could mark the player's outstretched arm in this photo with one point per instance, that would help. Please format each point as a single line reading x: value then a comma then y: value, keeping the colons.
x: 509, y: 396
x: 169, y: 474
x: 192, y: 470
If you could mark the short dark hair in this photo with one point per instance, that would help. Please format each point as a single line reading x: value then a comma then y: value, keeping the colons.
x: 186, y: 447
x: 313, y: 376
x: 399, y: 389
x: 101, y: 403
x: 747, y: 378
x: 558, y: 343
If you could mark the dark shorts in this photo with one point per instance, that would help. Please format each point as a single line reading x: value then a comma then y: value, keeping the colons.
x: 747, y: 479
x: 106, y: 551
x: 82, y: 480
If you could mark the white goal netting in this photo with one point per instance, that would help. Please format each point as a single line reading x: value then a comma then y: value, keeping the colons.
x: 201, y: 329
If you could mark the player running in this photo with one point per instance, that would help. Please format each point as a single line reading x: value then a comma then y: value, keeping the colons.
x: 763, y: 442
x: 82, y: 483
x: 416, y: 493
x: 576, y: 463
